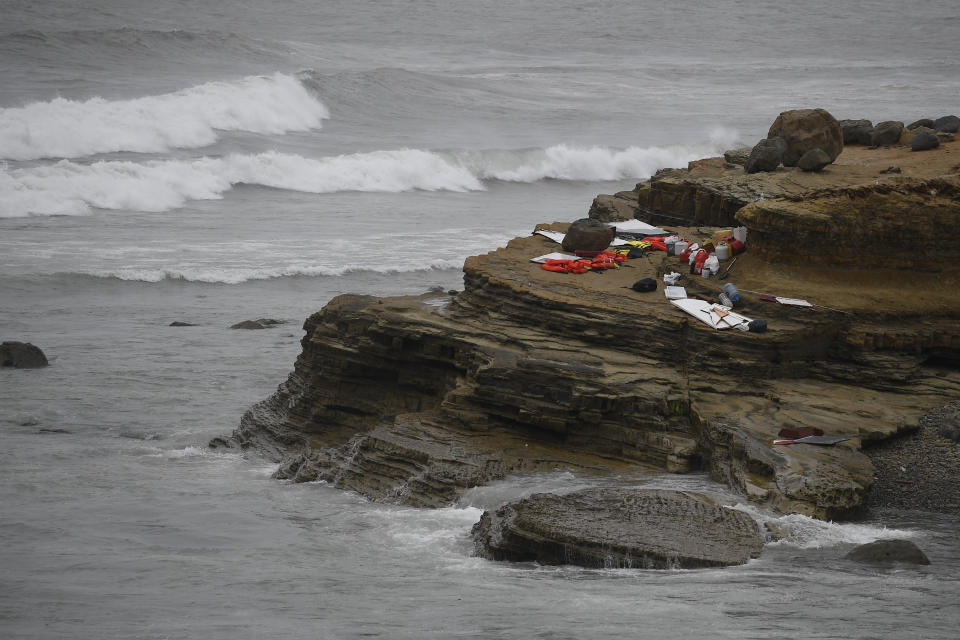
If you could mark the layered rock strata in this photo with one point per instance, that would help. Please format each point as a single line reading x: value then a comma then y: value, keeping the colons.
x: 413, y: 400
x: 619, y: 528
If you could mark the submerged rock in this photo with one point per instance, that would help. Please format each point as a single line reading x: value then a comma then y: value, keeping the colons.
x: 260, y: 323
x: 22, y: 355
x: 888, y: 552
x: 615, y: 528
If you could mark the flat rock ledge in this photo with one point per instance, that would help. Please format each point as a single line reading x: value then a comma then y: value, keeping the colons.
x: 619, y: 528
x: 413, y: 400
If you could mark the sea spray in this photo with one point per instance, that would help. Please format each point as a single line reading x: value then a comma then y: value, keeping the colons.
x: 190, y: 118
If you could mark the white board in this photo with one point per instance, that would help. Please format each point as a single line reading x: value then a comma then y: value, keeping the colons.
x: 706, y: 312
x: 556, y: 255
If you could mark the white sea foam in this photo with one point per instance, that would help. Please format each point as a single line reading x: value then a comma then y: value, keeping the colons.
x: 244, y: 274
x: 809, y: 533
x: 63, y: 128
x: 70, y: 188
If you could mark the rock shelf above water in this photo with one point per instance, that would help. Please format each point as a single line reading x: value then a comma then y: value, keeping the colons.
x: 416, y: 399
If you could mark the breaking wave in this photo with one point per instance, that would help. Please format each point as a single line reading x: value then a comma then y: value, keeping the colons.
x: 71, y: 188
x: 809, y: 533
x: 63, y: 128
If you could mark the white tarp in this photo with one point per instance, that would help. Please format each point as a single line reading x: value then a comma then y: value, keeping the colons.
x: 556, y: 236
x: 716, y: 316
x: 556, y: 255
x: 797, y: 302
x: 637, y: 226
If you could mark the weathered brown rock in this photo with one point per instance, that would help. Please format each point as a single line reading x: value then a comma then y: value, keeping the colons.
x: 886, y: 133
x: 814, y: 160
x: 806, y: 129
x: 587, y: 234
x: 619, y: 528
x: 21, y: 355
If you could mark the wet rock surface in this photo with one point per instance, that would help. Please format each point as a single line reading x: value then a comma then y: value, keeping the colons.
x: 405, y: 400
x: 619, y: 528
x: 888, y: 552
x: 21, y: 355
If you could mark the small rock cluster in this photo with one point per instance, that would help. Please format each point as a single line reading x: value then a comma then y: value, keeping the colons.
x: 921, y: 135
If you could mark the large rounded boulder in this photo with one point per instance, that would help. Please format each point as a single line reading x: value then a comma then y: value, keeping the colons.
x: 619, y: 528
x: 806, y: 129
x: 886, y: 133
x: 856, y: 131
x: 587, y: 234
x: 22, y: 355
x: 766, y: 155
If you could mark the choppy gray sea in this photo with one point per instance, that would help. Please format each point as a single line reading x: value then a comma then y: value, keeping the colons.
x: 220, y: 161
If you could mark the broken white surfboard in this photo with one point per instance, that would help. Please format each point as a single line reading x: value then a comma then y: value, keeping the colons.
x: 715, y: 316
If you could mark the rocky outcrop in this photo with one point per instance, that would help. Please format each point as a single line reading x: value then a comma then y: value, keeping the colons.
x: 888, y: 552
x: 619, y: 528
x: 806, y: 129
x: 21, y: 355
x: 415, y: 399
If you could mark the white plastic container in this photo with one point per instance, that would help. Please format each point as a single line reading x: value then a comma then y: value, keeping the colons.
x: 740, y: 233
x: 680, y: 247
x: 722, y: 252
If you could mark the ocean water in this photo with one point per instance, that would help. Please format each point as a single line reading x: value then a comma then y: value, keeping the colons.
x: 220, y: 161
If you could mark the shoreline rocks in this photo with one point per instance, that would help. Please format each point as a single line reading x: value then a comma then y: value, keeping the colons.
x: 527, y: 370
x: 619, y: 528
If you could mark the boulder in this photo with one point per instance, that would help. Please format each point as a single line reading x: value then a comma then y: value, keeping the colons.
x: 587, y: 234
x: 260, y: 323
x: 922, y: 122
x: 886, y: 133
x: 856, y: 131
x: 22, y: 355
x: 737, y: 156
x: 888, y: 552
x: 766, y: 155
x: 619, y: 527
x: 924, y: 140
x: 950, y: 124
x: 814, y: 160
x: 805, y: 129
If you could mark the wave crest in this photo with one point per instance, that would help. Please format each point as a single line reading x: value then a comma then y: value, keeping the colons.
x: 63, y: 128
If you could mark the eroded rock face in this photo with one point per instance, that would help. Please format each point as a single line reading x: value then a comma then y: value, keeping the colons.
x: 806, y: 129
x: 619, y: 528
x: 21, y: 355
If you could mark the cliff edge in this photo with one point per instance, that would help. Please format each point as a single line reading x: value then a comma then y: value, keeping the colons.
x: 415, y: 399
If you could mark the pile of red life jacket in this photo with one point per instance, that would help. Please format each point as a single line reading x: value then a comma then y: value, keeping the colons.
x: 598, y: 261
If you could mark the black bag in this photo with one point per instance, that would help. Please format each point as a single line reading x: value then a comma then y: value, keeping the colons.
x: 645, y: 285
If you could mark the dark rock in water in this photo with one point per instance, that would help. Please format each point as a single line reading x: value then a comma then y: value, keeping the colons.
x: 619, y: 528
x: 814, y: 160
x: 886, y: 133
x: 766, y: 155
x: 888, y: 552
x: 260, y: 323
x: 738, y: 156
x: 178, y: 323
x: 950, y: 124
x: 806, y: 129
x: 587, y: 234
x: 21, y: 355
x: 924, y: 141
x: 52, y: 430
x: 856, y: 131
x: 922, y: 122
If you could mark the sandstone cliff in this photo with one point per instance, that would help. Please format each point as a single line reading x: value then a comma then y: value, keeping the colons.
x: 414, y: 400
